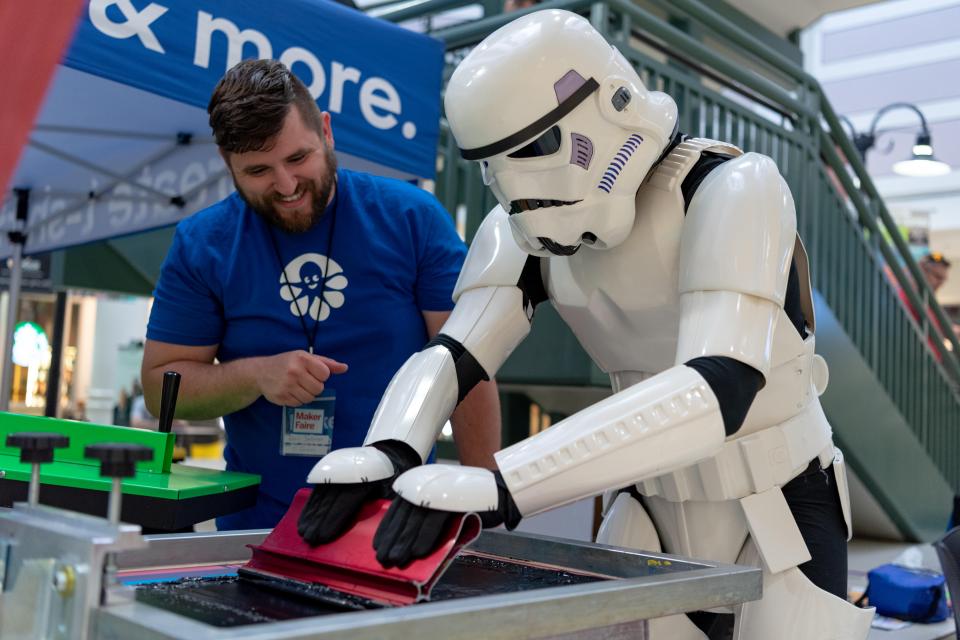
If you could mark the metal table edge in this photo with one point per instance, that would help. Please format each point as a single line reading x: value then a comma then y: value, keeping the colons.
x: 617, y: 601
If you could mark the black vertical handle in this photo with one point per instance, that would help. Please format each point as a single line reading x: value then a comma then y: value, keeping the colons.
x: 168, y: 400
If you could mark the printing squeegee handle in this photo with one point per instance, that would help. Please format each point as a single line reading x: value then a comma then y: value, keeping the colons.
x: 168, y: 400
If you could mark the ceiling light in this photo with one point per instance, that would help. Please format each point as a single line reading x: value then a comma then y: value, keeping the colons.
x: 921, y: 167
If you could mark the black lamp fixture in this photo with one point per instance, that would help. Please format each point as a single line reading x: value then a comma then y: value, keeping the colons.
x: 922, y: 163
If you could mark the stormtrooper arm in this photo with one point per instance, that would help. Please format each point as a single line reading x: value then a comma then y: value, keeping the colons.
x: 484, y: 328
x: 736, y: 249
x: 495, y: 295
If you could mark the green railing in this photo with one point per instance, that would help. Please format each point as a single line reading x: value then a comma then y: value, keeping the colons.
x: 754, y: 97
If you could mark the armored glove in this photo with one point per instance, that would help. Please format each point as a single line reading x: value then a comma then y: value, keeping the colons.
x: 429, y: 498
x: 346, y: 479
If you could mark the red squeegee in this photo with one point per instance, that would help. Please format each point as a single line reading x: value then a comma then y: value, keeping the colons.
x: 349, y: 564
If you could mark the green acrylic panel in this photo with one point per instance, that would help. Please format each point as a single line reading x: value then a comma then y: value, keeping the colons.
x: 82, y: 434
x: 181, y: 482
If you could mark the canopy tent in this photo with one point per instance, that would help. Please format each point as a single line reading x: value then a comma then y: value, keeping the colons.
x: 122, y: 144
x: 37, y: 31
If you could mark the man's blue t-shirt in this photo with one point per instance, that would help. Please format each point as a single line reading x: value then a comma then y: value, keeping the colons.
x: 394, y: 253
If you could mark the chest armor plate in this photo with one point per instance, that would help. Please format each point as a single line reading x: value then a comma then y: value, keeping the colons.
x: 622, y: 303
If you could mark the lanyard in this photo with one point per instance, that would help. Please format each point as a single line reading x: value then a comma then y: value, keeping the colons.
x: 311, y: 337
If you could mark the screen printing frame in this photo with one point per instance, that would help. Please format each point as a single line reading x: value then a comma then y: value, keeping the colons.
x: 646, y: 585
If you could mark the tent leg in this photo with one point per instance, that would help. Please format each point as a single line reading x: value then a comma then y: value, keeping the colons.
x: 17, y: 239
x: 56, y: 356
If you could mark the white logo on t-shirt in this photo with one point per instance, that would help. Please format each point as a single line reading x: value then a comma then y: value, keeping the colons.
x: 302, y: 281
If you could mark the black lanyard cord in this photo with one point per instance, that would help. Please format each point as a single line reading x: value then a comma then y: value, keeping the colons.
x: 310, y: 337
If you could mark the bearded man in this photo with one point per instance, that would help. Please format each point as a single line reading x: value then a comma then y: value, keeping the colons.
x: 288, y: 306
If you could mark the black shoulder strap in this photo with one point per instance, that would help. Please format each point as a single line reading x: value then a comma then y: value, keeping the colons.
x: 531, y: 284
x: 708, y: 161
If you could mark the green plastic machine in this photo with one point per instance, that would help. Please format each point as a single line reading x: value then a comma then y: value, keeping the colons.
x: 160, y: 495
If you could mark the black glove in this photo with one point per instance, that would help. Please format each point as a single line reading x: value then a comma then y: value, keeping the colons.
x: 332, y: 509
x: 409, y: 532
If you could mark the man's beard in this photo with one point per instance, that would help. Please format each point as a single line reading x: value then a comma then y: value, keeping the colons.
x: 297, y: 221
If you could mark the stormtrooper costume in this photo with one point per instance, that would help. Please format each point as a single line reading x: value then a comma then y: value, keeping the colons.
x: 677, y: 264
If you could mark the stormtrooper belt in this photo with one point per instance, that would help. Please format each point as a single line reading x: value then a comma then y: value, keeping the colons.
x: 752, y: 464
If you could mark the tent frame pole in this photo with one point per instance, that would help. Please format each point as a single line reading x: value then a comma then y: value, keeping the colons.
x: 52, y: 405
x: 18, y: 239
x: 118, y: 177
x: 83, y: 200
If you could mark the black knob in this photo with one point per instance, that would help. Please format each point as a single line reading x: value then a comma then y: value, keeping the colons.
x: 37, y: 447
x: 118, y: 459
x: 168, y: 400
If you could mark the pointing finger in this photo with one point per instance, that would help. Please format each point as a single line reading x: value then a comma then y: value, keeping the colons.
x: 333, y: 365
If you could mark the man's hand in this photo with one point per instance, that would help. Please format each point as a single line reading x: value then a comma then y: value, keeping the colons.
x: 346, y: 479
x: 294, y: 378
x: 429, y: 498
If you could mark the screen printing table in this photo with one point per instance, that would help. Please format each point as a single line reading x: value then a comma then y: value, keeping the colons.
x: 594, y: 592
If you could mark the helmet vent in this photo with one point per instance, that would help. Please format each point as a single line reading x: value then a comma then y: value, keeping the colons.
x: 621, y: 99
x: 619, y: 161
x: 582, y: 150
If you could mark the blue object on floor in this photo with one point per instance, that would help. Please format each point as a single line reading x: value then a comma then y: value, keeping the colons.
x: 916, y: 595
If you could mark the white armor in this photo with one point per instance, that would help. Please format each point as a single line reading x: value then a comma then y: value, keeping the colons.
x: 645, y: 288
x: 604, y: 151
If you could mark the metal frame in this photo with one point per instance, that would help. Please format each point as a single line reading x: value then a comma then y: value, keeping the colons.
x: 42, y: 542
x: 651, y: 585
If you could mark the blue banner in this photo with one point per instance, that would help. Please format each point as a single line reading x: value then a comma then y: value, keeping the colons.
x: 379, y: 82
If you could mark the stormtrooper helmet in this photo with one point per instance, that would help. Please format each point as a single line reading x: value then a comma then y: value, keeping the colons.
x: 563, y: 128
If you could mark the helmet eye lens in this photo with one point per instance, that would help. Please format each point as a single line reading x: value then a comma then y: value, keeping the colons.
x: 548, y: 143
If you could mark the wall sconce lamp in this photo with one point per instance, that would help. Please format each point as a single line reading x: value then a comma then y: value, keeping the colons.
x: 922, y: 162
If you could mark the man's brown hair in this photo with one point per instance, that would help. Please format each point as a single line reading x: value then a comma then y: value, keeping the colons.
x: 251, y: 101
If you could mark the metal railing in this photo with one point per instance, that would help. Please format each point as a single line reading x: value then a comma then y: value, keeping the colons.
x: 859, y: 260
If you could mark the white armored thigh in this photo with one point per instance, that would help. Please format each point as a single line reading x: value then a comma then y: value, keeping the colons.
x: 627, y: 524
x: 710, y: 530
x: 793, y: 608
